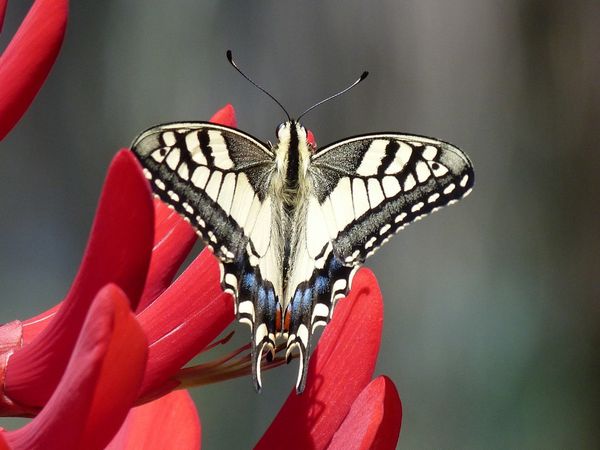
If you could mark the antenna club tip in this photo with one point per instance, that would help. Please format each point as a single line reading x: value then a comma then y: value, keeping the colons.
x: 229, y: 55
x: 364, y: 75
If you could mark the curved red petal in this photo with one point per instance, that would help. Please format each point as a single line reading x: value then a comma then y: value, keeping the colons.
x: 2, y: 12
x: 11, y: 339
x: 340, y: 368
x: 374, y: 420
x: 121, y: 375
x: 118, y: 252
x: 3, y: 443
x: 310, y: 137
x: 27, y: 60
x: 168, y: 422
x: 225, y: 116
x: 173, y: 240
x: 389, y: 430
x: 187, y: 317
x: 35, y: 325
x: 11, y: 336
x: 99, y: 385
x: 173, y: 236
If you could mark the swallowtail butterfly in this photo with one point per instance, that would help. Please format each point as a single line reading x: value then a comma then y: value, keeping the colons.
x: 289, y: 224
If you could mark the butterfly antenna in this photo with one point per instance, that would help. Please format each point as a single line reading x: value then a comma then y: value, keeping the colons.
x: 362, y: 77
x: 232, y: 62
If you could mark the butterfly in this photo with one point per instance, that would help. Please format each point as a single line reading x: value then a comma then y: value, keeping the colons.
x: 291, y: 224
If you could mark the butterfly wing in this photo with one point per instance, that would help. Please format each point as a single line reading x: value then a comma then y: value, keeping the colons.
x: 218, y: 179
x: 370, y: 187
x: 365, y: 189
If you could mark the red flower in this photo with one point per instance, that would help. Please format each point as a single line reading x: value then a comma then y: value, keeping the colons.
x: 126, y: 249
x: 168, y: 422
x: 27, y: 60
x: 93, y: 345
x: 122, y: 334
x: 341, y: 404
x: 92, y: 399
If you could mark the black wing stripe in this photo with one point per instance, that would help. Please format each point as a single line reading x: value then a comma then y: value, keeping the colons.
x: 390, y: 153
x: 204, y: 142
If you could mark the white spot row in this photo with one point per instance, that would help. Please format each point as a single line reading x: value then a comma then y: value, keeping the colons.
x: 370, y: 242
x: 417, y: 206
x: 464, y: 180
x: 400, y: 217
x: 433, y: 197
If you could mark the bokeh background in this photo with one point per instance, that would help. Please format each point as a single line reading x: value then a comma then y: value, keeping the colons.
x: 492, y: 324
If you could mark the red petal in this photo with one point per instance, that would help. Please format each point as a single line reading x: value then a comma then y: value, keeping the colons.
x: 310, y: 137
x: 3, y: 443
x: 373, y: 422
x: 99, y: 385
x: 173, y: 236
x: 173, y: 240
x: 11, y: 334
x: 168, y: 422
x: 187, y: 317
x: 2, y: 12
x: 34, y: 326
x: 225, y: 116
x: 121, y: 375
x: 25, y: 63
x: 118, y: 252
x: 11, y: 339
x: 340, y: 368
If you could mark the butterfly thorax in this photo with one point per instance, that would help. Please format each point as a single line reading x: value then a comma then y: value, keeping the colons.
x: 292, y: 157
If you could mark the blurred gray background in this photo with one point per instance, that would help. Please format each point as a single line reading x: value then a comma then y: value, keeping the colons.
x: 492, y: 323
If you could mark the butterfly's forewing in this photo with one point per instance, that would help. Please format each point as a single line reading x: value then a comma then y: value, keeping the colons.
x: 365, y: 189
x: 218, y: 178
x: 370, y: 187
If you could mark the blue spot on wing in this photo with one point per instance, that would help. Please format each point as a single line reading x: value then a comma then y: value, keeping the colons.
x: 249, y: 280
x: 321, y: 284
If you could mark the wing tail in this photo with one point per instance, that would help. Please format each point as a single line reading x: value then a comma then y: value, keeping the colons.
x: 258, y: 309
x: 312, y: 307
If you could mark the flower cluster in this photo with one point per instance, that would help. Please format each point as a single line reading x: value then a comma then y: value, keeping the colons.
x: 104, y: 368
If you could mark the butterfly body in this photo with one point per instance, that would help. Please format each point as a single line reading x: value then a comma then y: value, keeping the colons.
x: 291, y: 225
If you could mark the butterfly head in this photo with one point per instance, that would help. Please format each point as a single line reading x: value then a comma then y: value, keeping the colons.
x: 291, y: 130
x: 292, y: 133
x: 292, y: 151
